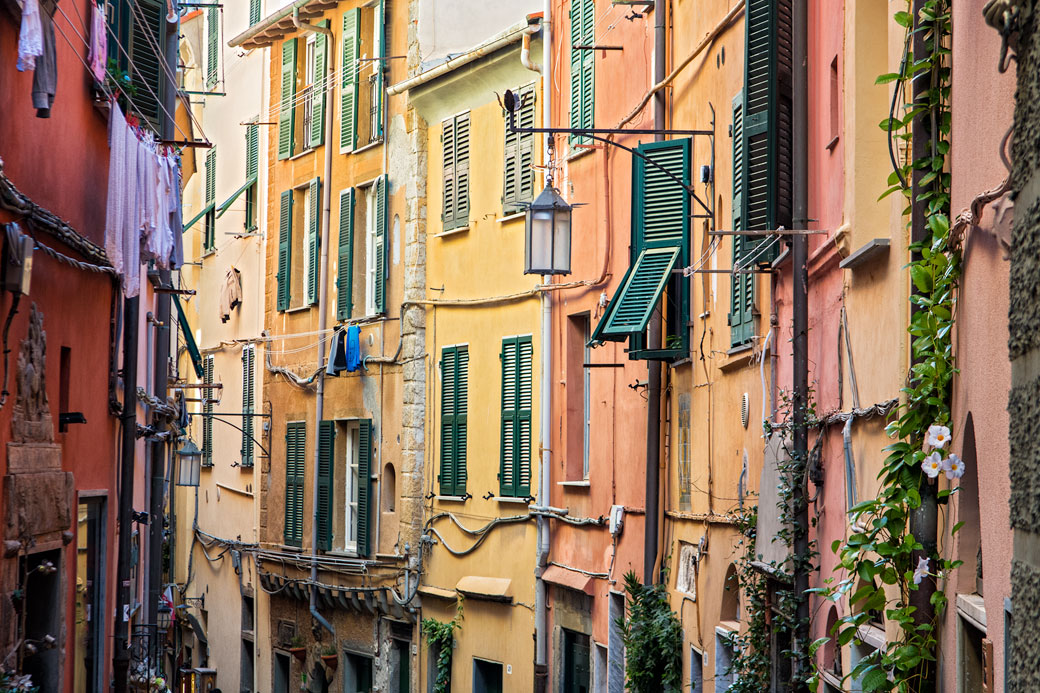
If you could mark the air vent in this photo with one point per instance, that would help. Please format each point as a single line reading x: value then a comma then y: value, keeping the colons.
x: 745, y: 409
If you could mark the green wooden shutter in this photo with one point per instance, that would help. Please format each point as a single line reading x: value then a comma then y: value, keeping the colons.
x: 295, y: 469
x: 209, y: 234
x: 349, y: 85
x: 380, y: 66
x: 326, y: 456
x: 637, y: 298
x: 285, y: 250
x: 515, y: 460
x: 767, y: 121
x: 448, y: 173
x: 742, y: 286
x: 252, y: 151
x: 254, y: 12
x: 518, y: 176
x: 345, y: 261
x: 212, y: 45
x: 660, y: 204
x: 316, y: 137
x: 207, y: 411
x: 382, y: 257
x: 248, y: 403
x: 364, y: 486
x: 287, y: 112
x: 141, y: 61
x: 313, y: 241
x: 583, y: 66
x: 454, y: 431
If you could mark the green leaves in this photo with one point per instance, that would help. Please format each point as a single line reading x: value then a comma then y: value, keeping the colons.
x: 653, y: 638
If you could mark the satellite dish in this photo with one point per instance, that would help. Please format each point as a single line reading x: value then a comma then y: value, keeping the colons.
x: 509, y: 101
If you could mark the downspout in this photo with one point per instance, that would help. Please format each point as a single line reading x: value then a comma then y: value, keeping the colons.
x: 653, y: 409
x: 323, y: 294
x: 541, y: 629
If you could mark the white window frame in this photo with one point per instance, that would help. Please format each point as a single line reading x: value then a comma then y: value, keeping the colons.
x: 586, y: 379
x: 351, y: 483
x: 371, y: 200
x: 306, y: 199
x: 308, y: 87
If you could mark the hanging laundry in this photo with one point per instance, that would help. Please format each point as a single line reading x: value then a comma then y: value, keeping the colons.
x: 353, y: 348
x: 230, y: 294
x: 173, y: 203
x: 45, y: 71
x: 98, y: 43
x: 30, y: 37
x: 337, y: 354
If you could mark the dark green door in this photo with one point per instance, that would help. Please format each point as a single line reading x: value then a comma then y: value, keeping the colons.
x: 575, y: 662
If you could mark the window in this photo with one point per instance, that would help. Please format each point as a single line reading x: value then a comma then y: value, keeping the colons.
x: 301, y: 117
x: 578, y: 397
x: 487, y: 676
x: 209, y: 241
x: 696, y: 670
x: 686, y: 575
x: 147, y: 76
x: 353, y: 474
x: 362, y: 262
x: 64, y: 376
x: 835, y: 109
x: 90, y: 596
x: 308, y: 85
x: 248, y: 387
x: 252, y: 174
x: 455, y: 152
x: 454, y: 406
x: 361, y: 88
x: 212, y: 46
x: 518, y: 182
x: 660, y: 244
x: 357, y: 673
x: 514, y: 476
x: 583, y: 66
x: 207, y: 412
x: 254, y: 12
x: 299, y: 233
x: 725, y: 651
x: 246, y: 665
x: 282, y: 669
x: 295, y: 467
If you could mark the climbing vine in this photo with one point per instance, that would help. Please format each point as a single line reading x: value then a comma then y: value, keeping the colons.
x: 751, y: 646
x: 653, y: 638
x: 440, y: 638
x: 881, y: 553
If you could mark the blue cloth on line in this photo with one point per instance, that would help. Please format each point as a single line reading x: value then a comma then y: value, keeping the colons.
x: 353, y: 348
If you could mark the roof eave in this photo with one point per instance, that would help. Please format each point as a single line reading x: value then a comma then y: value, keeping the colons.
x: 277, y: 26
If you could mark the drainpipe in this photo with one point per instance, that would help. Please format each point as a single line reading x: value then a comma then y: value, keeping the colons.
x: 121, y: 651
x: 323, y: 291
x: 541, y: 629
x: 800, y: 320
x: 653, y: 409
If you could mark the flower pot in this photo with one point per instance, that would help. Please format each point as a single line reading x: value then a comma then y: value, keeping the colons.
x: 331, y: 661
x: 299, y: 653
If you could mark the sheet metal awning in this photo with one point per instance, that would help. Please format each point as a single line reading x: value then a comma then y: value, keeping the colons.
x: 568, y: 578
x: 487, y: 588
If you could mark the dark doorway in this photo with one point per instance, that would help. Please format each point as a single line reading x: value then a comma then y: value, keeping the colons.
x: 487, y: 676
x: 42, y: 602
x: 90, y: 593
x: 575, y: 662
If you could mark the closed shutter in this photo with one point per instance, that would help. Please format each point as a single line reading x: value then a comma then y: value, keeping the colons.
x: 313, y: 241
x: 583, y: 66
x: 254, y: 12
x: 349, y: 85
x: 207, y: 412
x: 454, y: 408
x: 252, y: 151
x: 285, y: 249
x: 455, y: 141
x: 515, y: 468
x: 381, y: 261
x: 518, y: 180
x: 212, y: 45
x: 248, y: 402
x: 326, y: 456
x: 742, y: 285
x: 209, y: 240
x: 147, y: 74
x: 287, y: 110
x: 364, y: 486
x: 295, y: 467
x: 767, y: 122
x: 316, y: 137
x: 448, y: 173
x: 345, y: 261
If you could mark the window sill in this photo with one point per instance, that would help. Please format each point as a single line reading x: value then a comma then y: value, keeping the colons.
x: 291, y: 549
x: 371, y: 145
x: 450, y: 499
x: 575, y: 484
x: 302, y: 154
x: 738, y: 357
x: 832, y: 144
x: 574, y: 156
x: 297, y: 309
x: 341, y: 553
x: 451, y: 232
x: 510, y: 499
x: 511, y: 217
x: 209, y: 252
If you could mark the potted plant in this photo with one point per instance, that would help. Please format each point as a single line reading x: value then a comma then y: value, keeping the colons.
x: 329, y: 656
x: 296, y: 648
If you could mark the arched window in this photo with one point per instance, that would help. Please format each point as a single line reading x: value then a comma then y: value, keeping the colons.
x: 389, y: 500
x: 969, y: 537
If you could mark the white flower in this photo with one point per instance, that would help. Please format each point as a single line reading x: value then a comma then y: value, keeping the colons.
x: 932, y: 465
x: 938, y: 436
x: 953, y: 466
x: 922, y: 570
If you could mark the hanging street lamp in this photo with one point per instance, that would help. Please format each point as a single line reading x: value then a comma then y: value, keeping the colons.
x: 189, y: 463
x: 547, y: 241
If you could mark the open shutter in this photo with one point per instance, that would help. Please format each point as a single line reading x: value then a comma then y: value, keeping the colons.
x: 284, y: 249
x: 583, y: 66
x: 349, y: 84
x: 313, y: 241
x: 380, y: 68
x: 364, y: 485
x: 316, y: 137
x: 211, y: 177
x: 660, y: 204
x: 287, y: 110
x: 518, y: 180
x: 141, y: 61
x: 326, y: 455
x: 295, y: 466
x: 248, y: 402
x: 254, y: 12
x: 345, y: 261
x: 382, y: 257
x: 212, y: 45
x: 515, y: 466
x: 448, y: 173
x: 252, y: 151
x: 207, y: 411
x: 767, y: 121
x: 635, y: 300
